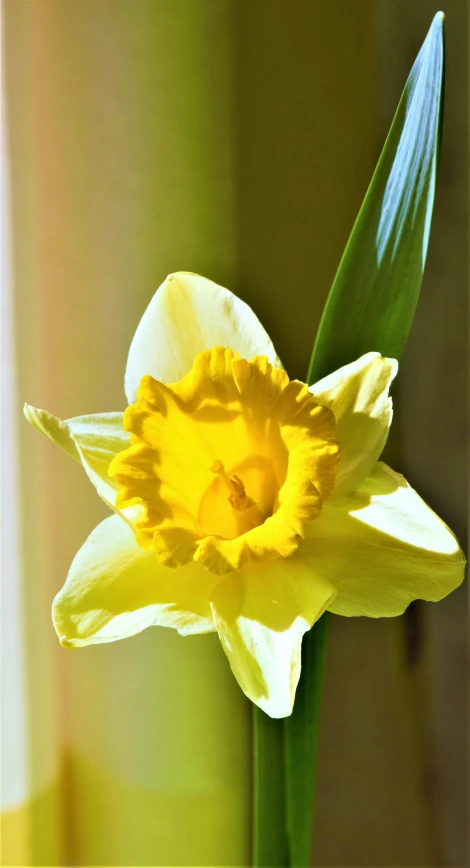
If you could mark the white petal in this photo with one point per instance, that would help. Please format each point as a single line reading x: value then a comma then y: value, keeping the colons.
x: 188, y: 314
x: 382, y: 547
x: 358, y: 395
x: 261, y: 615
x: 91, y: 440
x: 115, y: 589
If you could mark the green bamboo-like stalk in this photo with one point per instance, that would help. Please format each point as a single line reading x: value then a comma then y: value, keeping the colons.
x: 301, y: 740
x: 270, y: 846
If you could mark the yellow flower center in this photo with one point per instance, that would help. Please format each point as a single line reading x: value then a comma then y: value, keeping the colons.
x: 225, y: 509
x: 228, y: 465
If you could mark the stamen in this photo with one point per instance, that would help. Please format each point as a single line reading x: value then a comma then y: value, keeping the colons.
x: 233, y: 487
x: 238, y: 498
x: 219, y: 470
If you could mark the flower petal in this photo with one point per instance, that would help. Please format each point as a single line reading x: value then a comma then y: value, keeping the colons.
x: 114, y: 589
x: 358, y: 395
x: 54, y: 428
x: 383, y: 547
x: 92, y: 440
x: 188, y: 314
x: 261, y: 615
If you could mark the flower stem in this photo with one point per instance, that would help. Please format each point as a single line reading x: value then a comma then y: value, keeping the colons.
x: 270, y: 847
x: 300, y: 744
x: 285, y: 755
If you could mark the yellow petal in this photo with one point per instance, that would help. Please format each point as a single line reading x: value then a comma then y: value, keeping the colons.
x: 358, y: 396
x: 261, y: 615
x: 188, y: 314
x: 114, y: 589
x: 383, y: 547
x: 92, y: 440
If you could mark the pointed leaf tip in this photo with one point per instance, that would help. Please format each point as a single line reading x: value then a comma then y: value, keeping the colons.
x: 374, y: 295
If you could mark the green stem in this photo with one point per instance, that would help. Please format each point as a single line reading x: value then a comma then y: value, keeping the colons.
x: 301, y: 741
x: 269, y: 830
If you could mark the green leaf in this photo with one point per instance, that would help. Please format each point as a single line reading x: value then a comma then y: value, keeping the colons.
x: 370, y: 307
x: 375, y: 292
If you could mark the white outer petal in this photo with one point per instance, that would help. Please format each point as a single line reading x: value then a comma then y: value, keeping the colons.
x: 91, y: 440
x: 188, y: 314
x: 358, y: 396
x: 281, y: 661
x: 115, y: 589
x: 382, y: 547
x: 261, y: 614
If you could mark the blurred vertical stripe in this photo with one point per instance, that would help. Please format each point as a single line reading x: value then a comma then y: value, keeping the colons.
x: 120, y: 137
x: 14, y: 735
x: 31, y: 828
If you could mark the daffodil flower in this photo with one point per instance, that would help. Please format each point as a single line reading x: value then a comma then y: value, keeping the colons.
x: 244, y: 503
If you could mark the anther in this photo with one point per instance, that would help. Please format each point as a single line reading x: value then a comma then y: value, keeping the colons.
x: 217, y: 466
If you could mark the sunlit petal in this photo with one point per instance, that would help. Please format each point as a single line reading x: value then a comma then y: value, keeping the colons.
x: 383, y: 547
x: 358, y: 396
x: 115, y: 589
x: 261, y: 615
x: 188, y: 314
x: 92, y: 440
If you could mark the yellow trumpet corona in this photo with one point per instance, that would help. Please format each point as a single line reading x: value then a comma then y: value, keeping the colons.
x: 277, y: 442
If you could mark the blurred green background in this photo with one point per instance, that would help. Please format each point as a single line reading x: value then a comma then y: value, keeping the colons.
x: 234, y: 138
